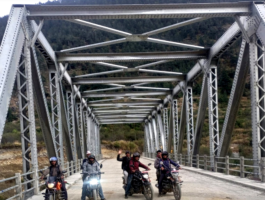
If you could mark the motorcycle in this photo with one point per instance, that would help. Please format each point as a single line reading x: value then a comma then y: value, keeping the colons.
x: 93, y: 183
x: 171, y: 182
x: 141, y: 184
x: 53, y: 186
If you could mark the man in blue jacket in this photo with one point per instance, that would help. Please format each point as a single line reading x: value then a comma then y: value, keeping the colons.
x: 165, y: 167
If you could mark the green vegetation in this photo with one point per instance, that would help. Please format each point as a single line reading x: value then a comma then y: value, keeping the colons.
x: 63, y: 35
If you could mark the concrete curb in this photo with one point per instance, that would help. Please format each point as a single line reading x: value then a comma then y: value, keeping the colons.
x: 227, y: 178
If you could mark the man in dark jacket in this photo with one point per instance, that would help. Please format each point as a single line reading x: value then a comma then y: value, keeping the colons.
x: 165, y: 167
x: 133, y: 167
x: 125, y: 164
x: 157, y: 163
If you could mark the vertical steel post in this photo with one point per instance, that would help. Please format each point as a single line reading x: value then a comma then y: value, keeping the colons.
x: 56, y: 114
x: 85, y: 131
x: 175, y: 128
x: 161, y: 130
x: 80, y: 126
x: 189, y: 118
x: 27, y: 115
x: 155, y: 133
x: 213, y: 112
x: 88, y: 118
x: 92, y: 141
x: 257, y: 76
x: 165, y: 120
x: 151, y: 137
x: 71, y: 121
x: 147, y: 138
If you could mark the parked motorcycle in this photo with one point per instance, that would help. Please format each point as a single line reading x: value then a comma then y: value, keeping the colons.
x: 53, y: 186
x: 171, y: 183
x: 141, y: 184
x: 93, y: 184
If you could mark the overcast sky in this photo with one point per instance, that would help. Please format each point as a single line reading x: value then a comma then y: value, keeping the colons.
x: 5, y: 5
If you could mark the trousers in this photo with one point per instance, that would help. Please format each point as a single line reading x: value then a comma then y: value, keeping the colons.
x: 160, y: 186
x: 125, y: 173
x: 129, y: 182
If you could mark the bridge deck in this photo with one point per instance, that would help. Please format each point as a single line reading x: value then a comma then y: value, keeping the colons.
x: 195, y: 187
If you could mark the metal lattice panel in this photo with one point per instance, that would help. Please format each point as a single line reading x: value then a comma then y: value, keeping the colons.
x: 79, y: 112
x: 175, y: 126
x: 190, y: 125
x: 213, y: 111
x: 71, y: 124
x: 27, y: 115
x: 257, y: 73
x: 165, y: 123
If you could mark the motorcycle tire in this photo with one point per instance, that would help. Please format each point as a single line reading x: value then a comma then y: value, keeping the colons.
x: 95, y: 196
x: 148, y: 192
x: 177, y: 191
x: 51, y: 197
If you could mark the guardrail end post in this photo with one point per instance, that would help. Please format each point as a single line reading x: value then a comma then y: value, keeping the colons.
x: 191, y: 160
x: 18, y: 183
x: 68, y: 168
x: 72, y: 166
x: 36, y: 182
x: 227, y: 165
x: 242, y: 168
x: 262, y: 170
x: 215, y: 164
x: 197, y: 161
x: 205, y: 162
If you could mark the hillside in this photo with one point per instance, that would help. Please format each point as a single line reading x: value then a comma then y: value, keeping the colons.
x: 63, y: 35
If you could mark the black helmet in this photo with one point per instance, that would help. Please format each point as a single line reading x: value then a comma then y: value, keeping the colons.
x: 158, y: 151
x: 91, y: 156
x: 165, y: 153
x: 136, y: 154
x: 127, y: 152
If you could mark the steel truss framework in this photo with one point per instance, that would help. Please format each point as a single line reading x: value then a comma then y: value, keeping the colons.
x: 79, y: 121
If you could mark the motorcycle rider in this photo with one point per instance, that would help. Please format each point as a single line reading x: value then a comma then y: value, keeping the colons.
x: 165, y: 166
x: 125, y: 164
x: 133, y: 167
x: 157, y: 164
x: 55, y: 170
x: 91, y: 166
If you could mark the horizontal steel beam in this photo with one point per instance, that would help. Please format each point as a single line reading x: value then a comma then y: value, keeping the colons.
x: 124, y: 94
x: 124, y: 104
x: 130, y: 57
x: 122, y: 113
x: 100, y: 112
x: 122, y: 120
x: 120, y: 116
x: 137, y: 11
x: 107, y: 123
x: 128, y: 80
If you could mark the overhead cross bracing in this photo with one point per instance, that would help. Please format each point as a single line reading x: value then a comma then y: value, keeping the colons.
x: 130, y: 94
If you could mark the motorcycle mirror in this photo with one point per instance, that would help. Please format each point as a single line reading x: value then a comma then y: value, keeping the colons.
x: 149, y: 164
x: 101, y: 165
x: 64, y: 171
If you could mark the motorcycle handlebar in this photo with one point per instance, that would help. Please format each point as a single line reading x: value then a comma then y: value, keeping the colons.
x: 98, y: 173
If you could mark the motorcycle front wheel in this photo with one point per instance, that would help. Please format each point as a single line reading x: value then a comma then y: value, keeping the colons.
x: 95, y: 194
x: 177, y: 191
x: 148, y: 192
x: 51, y: 197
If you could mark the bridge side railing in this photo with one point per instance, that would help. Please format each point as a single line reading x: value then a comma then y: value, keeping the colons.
x: 243, y: 167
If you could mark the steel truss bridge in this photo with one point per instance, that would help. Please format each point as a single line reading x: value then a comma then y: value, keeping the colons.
x: 74, y: 122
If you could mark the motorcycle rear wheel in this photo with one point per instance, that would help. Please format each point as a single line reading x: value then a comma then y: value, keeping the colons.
x: 177, y: 191
x: 148, y: 192
x: 95, y: 194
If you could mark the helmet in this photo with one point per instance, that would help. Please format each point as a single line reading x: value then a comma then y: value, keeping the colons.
x: 136, y: 154
x: 127, y: 152
x: 53, y: 159
x: 88, y: 152
x: 91, y: 156
x: 158, y: 151
x: 165, y: 153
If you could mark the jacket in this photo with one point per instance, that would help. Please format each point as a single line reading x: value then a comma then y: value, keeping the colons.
x: 167, y: 164
x: 136, y: 165
x: 157, y: 163
x: 91, y: 167
x: 53, y: 171
x: 125, y: 162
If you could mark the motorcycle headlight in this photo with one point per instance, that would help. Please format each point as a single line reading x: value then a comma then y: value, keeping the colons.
x: 50, y: 185
x: 175, y: 175
x: 94, y: 182
x: 146, y: 176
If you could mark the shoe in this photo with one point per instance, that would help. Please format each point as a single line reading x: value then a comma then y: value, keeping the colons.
x: 103, y: 199
x: 126, y: 196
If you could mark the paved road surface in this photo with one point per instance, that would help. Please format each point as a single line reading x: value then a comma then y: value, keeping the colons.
x: 195, y: 187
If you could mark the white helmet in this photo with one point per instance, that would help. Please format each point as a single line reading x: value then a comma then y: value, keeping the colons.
x: 88, y: 152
